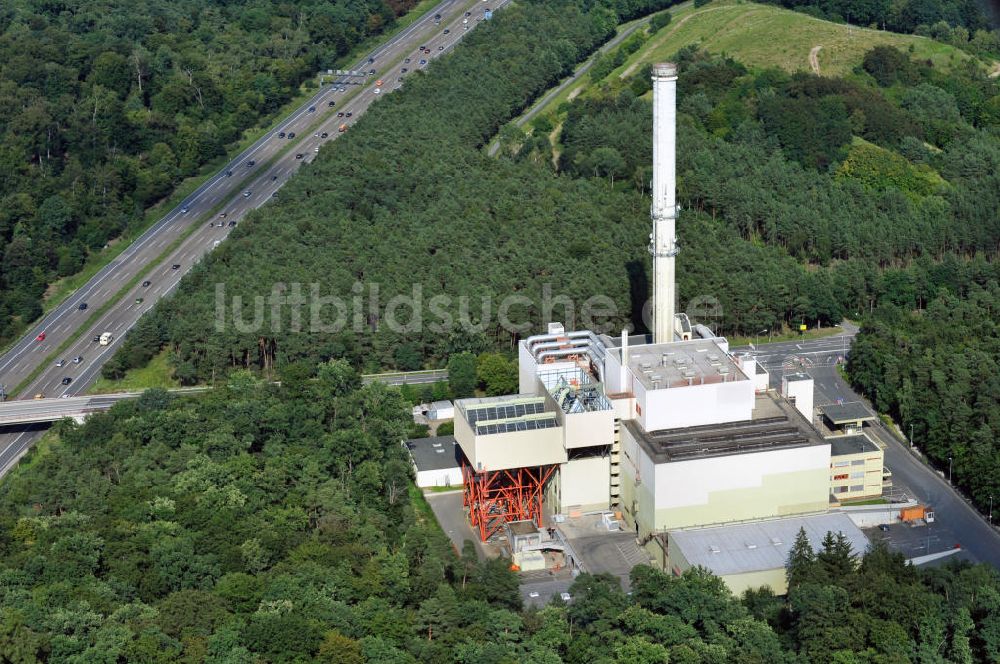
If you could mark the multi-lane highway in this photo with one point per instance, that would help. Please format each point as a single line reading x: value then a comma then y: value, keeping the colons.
x: 957, y: 523
x: 130, y: 285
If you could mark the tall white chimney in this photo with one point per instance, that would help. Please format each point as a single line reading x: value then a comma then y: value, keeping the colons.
x: 663, y: 241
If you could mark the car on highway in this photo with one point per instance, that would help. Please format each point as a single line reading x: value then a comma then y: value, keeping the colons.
x: 273, y: 178
x: 96, y: 338
x: 246, y: 194
x: 376, y: 91
x: 371, y: 60
x: 291, y: 135
x: 533, y: 594
x: 342, y: 89
x: 251, y: 163
x: 423, y: 48
x: 407, y: 61
x: 40, y: 337
x: 468, y: 13
x: 138, y: 300
x: 78, y: 359
x: 348, y: 114
x: 299, y: 156
x: 371, y: 72
x: 423, y: 62
x: 83, y: 306
x: 281, y: 134
x: 145, y: 284
x: 67, y: 380
x: 175, y: 266
x: 184, y: 210
x: 324, y: 135
x: 447, y: 31
x: 403, y: 70
x: 40, y: 395
x: 232, y: 223
x: 61, y: 363
x: 312, y: 109
x: 229, y: 174
x: 440, y: 48
x: 331, y: 103
x: 340, y: 114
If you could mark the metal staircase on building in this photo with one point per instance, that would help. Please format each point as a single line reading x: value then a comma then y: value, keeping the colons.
x: 615, y: 479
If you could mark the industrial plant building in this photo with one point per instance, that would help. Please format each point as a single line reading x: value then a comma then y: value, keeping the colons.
x: 856, y: 467
x: 671, y: 433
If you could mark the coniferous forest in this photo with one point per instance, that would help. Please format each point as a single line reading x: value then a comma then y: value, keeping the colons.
x: 105, y: 107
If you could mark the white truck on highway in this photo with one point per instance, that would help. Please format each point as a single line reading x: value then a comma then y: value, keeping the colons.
x: 106, y: 338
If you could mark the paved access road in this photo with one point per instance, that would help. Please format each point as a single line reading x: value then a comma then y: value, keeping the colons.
x: 247, y: 188
x: 957, y: 522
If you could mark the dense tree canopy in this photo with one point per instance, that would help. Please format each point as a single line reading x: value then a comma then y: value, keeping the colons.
x: 936, y: 370
x: 406, y: 204
x: 106, y: 106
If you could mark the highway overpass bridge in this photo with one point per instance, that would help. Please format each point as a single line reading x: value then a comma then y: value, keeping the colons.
x: 39, y: 411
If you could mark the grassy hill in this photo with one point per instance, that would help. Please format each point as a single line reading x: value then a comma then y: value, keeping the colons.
x: 767, y: 36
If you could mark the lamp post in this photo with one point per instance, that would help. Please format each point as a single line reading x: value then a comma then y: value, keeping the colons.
x: 757, y: 338
x: 949, y: 470
x: 991, y: 509
x: 911, y: 435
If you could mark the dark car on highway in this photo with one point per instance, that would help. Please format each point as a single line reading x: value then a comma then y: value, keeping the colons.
x: 67, y: 380
x: 175, y: 266
x: 299, y: 156
x: 83, y: 305
x: 291, y: 134
x: 145, y: 284
x: 330, y: 103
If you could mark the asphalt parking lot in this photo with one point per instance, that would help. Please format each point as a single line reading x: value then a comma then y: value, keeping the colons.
x: 450, y: 514
x: 916, y: 541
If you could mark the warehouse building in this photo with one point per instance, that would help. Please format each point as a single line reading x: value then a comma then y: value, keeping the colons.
x: 436, y: 461
x: 751, y: 555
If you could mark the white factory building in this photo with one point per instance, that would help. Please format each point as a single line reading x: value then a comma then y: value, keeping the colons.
x: 672, y: 431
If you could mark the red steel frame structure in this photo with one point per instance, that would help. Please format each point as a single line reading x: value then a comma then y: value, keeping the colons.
x: 500, y: 496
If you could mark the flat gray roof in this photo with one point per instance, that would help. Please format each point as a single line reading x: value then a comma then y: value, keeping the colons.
x: 842, y: 413
x: 761, y: 545
x: 797, y: 376
x: 774, y: 425
x: 855, y: 444
x: 437, y: 453
x: 681, y: 363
